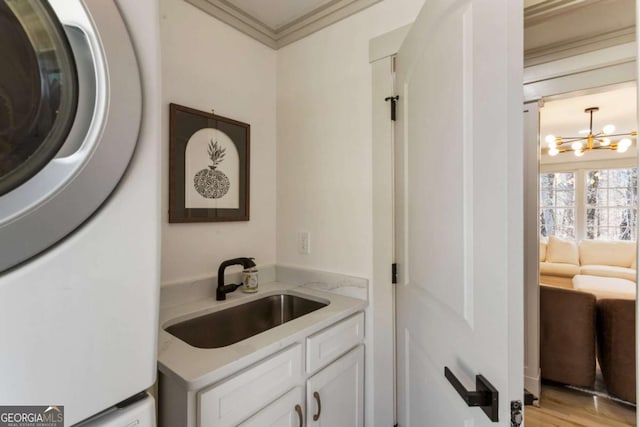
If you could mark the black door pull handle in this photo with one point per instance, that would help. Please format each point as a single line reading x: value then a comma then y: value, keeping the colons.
x: 485, y: 396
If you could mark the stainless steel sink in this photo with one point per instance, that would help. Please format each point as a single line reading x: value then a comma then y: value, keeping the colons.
x: 225, y: 327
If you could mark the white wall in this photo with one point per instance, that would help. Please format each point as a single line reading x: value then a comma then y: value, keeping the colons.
x: 324, y: 164
x: 324, y: 140
x: 208, y: 65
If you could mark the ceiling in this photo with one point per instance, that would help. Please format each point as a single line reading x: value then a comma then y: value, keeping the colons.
x: 279, y: 13
x: 566, y: 117
x: 277, y: 23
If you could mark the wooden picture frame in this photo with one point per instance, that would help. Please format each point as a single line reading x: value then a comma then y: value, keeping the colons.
x: 208, y: 167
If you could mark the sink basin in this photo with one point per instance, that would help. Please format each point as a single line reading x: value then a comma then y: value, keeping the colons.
x: 225, y: 327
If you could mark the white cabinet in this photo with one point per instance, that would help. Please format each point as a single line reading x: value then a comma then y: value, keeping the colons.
x: 287, y: 411
x: 321, y: 374
x: 335, y: 394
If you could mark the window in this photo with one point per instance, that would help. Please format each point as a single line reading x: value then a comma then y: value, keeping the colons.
x: 597, y: 204
x: 611, y: 204
x: 558, y: 205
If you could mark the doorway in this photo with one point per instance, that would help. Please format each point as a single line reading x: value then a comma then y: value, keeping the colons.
x: 586, y: 206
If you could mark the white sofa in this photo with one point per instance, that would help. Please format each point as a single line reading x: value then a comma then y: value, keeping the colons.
x: 560, y: 260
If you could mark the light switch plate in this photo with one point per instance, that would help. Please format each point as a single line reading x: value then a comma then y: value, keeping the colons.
x: 304, y: 243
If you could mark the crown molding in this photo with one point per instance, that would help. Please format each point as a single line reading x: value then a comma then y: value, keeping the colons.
x: 579, y: 45
x: 597, y: 39
x: 549, y: 8
x: 276, y: 38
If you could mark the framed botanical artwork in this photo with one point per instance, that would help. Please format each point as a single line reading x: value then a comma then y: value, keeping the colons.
x: 208, y: 167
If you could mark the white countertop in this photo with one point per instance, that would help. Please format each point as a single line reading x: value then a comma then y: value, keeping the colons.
x: 195, y: 368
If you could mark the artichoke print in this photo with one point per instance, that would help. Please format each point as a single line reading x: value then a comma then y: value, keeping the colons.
x: 212, y: 183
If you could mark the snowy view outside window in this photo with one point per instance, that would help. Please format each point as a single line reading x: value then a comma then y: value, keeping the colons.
x: 558, y: 205
x: 608, y: 208
x: 611, y: 204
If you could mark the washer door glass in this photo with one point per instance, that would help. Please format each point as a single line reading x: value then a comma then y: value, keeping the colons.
x: 38, y: 89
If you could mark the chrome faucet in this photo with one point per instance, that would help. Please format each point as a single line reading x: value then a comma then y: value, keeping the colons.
x: 222, y: 290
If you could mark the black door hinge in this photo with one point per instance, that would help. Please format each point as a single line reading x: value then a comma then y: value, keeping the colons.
x: 394, y: 101
x: 394, y: 273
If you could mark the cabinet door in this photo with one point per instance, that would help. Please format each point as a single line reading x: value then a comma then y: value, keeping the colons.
x: 288, y: 411
x: 335, y: 394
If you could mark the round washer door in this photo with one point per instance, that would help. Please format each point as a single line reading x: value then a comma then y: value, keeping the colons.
x: 70, y: 109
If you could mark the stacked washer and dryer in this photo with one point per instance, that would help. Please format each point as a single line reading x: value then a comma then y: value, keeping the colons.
x: 80, y: 207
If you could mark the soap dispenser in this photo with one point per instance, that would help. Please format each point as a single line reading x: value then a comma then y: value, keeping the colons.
x: 250, y: 279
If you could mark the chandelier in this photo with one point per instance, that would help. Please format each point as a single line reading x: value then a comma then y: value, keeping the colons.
x: 601, y: 140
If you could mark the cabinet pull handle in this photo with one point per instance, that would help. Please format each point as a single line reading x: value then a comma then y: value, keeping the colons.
x: 316, y: 396
x: 299, y: 412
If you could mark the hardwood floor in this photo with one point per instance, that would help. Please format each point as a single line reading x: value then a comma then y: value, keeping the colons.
x: 561, y: 407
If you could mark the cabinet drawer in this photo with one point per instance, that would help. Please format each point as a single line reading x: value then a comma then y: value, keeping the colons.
x: 329, y: 344
x: 233, y: 400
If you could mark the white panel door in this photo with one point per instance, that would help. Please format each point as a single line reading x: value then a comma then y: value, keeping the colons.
x: 459, y: 210
x: 335, y: 394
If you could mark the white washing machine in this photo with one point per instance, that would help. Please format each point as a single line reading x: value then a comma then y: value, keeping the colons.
x: 140, y: 412
x: 79, y: 203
